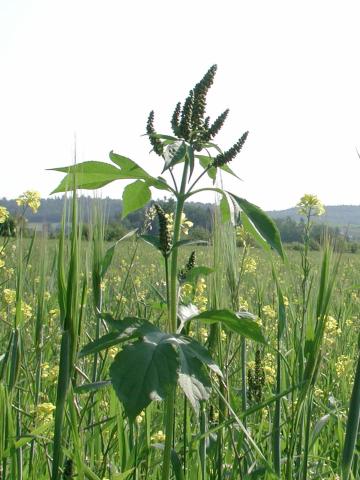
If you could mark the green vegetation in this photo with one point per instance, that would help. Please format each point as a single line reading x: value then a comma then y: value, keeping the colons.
x: 291, y: 227
x: 158, y: 356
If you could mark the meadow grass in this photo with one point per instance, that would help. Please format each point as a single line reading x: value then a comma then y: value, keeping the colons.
x: 157, y: 358
x: 253, y: 420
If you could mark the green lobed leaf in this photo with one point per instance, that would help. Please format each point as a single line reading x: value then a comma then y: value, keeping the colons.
x: 90, y: 167
x: 174, y: 154
x: 129, y: 166
x: 185, y: 313
x: 193, y: 379
x: 152, y: 240
x: 243, y: 325
x: 143, y: 372
x: 164, y: 137
x: 194, y: 348
x: 196, y: 272
x: 87, y: 175
x: 127, y: 329
x: 212, y: 145
x: 135, y: 196
x: 205, y: 161
x: 227, y: 169
x: 91, y: 175
x: 263, y: 224
x: 249, y: 227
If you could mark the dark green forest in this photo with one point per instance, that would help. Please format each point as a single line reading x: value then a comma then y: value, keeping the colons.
x: 341, y: 222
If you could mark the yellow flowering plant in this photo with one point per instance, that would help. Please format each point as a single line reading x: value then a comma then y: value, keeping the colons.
x: 4, y: 214
x: 310, y: 205
x: 31, y: 199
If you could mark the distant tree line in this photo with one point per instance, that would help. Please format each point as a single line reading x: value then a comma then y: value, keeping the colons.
x: 292, y: 233
x: 201, y: 214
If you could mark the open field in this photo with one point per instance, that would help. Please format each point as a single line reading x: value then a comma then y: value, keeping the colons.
x: 162, y: 356
x: 98, y: 441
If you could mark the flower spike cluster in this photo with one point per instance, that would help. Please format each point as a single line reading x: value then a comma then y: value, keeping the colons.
x: 188, y: 122
x: 230, y: 154
x: 150, y: 130
x: 175, y: 119
x: 188, y: 267
x: 216, y: 126
x: 164, y: 232
x: 185, y: 127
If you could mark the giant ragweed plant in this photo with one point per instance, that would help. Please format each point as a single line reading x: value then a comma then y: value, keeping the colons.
x: 154, y: 362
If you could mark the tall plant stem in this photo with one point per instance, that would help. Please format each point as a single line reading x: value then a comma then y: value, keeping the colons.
x: 172, y: 312
x: 307, y: 437
x: 352, y: 427
x: 174, y: 255
x: 166, y: 262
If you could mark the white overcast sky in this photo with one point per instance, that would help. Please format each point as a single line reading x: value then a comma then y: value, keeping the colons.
x: 288, y: 70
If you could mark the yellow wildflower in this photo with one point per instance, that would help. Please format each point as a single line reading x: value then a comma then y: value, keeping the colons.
x: 200, y: 298
x: 269, y: 311
x: 342, y: 365
x: 26, y: 310
x: 104, y: 404
x: 318, y: 392
x: 140, y: 417
x: 9, y: 296
x: 113, y: 351
x: 332, y: 330
x: 354, y: 296
x: 44, y: 411
x: 120, y: 298
x: 269, y: 368
x: 243, y: 304
x: 244, y: 237
x: 31, y: 199
x: 249, y: 265
x: 204, y: 334
x: 349, y: 322
x: 9, y: 272
x: 186, y: 290
x: 158, y: 437
x: 54, y: 312
x: 215, y: 416
x: 310, y: 205
x: 4, y: 214
x: 48, y: 373
x: 185, y: 224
